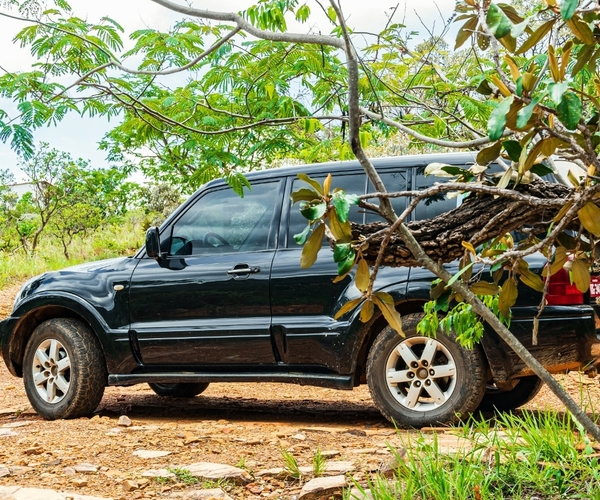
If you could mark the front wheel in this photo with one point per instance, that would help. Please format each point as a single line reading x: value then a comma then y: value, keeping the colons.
x: 63, y: 369
x: 181, y: 390
x: 524, y: 391
x: 419, y: 381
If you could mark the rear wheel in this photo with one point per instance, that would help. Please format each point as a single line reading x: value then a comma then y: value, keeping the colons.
x: 524, y: 391
x: 63, y: 369
x: 418, y: 381
x: 179, y: 390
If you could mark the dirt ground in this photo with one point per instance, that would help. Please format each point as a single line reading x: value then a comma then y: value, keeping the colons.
x: 244, y: 425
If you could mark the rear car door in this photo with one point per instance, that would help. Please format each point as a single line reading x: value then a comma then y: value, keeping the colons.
x: 207, y: 301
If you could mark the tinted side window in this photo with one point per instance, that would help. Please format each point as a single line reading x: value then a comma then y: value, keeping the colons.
x: 393, y: 182
x: 433, y: 205
x: 222, y: 222
x: 351, y: 183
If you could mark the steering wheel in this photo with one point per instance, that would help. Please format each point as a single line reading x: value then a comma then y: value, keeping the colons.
x: 216, y: 236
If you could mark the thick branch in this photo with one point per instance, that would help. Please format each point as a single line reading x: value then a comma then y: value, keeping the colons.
x: 477, y: 220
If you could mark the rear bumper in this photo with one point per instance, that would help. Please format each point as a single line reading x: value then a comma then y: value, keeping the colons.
x: 565, y: 341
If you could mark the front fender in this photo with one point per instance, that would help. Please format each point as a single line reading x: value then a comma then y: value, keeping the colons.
x: 37, y: 308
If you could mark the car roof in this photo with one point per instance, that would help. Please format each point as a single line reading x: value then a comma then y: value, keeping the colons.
x: 405, y: 161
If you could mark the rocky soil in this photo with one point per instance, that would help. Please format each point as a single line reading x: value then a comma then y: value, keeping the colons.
x: 139, y: 445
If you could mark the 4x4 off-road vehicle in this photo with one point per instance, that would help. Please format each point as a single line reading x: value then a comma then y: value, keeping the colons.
x: 217, y: 295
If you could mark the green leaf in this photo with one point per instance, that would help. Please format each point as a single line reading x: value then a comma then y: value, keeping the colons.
x: 312, y: 246
x: 541, y: 169
x: 524, y: 114
x: 556, y: 91
x: 497, y: 120
x: 568, y: 8
x: 345, y: 265
x: 386, y: 305
x: 342, y: 252
x: 300, y: 238
x: 498, y: 22
x: 570, y: 110
x: 460, y: 273
x: 313, y: 212
x: 513, y: 149
x: 342, y: 203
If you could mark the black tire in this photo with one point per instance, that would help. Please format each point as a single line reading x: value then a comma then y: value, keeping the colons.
x: 64, y: 362
x: 407, y: 402
x: 495, y: 399
x: 179, y: 390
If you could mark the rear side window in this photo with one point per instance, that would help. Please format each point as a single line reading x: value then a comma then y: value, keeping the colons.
x: 393, y: 182
x: 431, y: 206
x: 351, y: 183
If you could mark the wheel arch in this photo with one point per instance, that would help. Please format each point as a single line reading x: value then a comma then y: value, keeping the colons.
x: 31, y: 315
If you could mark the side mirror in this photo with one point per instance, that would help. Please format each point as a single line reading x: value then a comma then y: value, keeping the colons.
x: 153, y: 243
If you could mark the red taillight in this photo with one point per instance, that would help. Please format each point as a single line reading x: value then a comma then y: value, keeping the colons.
x: 561, y: 292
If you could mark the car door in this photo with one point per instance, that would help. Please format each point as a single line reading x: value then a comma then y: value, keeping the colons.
x: 207, y: 301
x: 305, y: 300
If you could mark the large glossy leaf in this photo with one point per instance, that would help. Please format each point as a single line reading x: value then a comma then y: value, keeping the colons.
x: 560, y: 258
x: 362, y: 275
x: 497, y: 120
x: 498, y: 22
x: 489, y: 154
x: 568, y: 8
x: 347, y: 307
x: 569, y: 110
x: 580, y: 275
x: 385, y: 302
x: 536, y: 36
x: 304, y: 194
x: 557, y: 90
x: 343, y: 202
x: 589, y: 216
x: 531, y: 279
x: 341, y: 231
x: 312, y: 246
x: 466, y: 31
x: 581, y: 30
x: 508, y: 297
x: 367, y: 310
x: 315, y: 184
x: 300, y: 238
x: 313, y: 212
x: 513, y: 148
x: 524, y: 114
x: 485, y: 288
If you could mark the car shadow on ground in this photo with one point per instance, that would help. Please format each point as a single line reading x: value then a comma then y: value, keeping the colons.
x: 243, y: 409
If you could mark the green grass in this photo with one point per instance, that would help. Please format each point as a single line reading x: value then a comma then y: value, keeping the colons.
x: 111, y: 241
x: 543, y: 455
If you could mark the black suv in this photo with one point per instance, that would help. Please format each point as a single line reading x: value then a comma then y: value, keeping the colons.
x: 217, y: 295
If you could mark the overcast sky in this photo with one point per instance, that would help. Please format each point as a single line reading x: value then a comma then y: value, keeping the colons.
x: 80, y: 136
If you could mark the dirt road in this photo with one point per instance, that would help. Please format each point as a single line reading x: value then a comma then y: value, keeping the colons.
x: 243, y: 425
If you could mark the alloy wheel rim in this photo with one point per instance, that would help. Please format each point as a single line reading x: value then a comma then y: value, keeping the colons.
x: 51, y: 369
x: 421, y: 374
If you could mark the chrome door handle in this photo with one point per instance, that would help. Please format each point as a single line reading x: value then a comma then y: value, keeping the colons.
x: 244, y: 270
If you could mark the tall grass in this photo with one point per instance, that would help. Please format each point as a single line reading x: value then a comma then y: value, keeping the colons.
x: 112, y: 240
x: 524, y: 455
